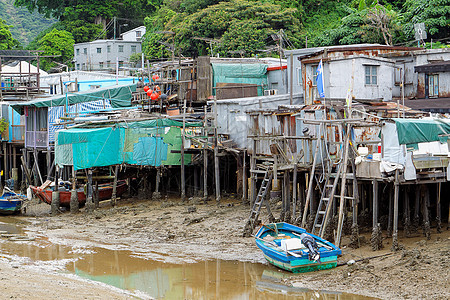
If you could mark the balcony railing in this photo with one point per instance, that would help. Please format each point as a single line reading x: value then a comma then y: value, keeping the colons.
x: 36, y: 139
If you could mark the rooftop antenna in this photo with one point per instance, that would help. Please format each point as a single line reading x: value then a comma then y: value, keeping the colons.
x: 420, y: 34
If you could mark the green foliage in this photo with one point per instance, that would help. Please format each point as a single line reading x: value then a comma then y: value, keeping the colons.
x: 257, y: 21
x: 56, y: 42
x: 434, y: 13
x: 6, y: 39
x: 3, y: 125
x: 34, y: 44
x: 25, y: 25
x: 82, y: 31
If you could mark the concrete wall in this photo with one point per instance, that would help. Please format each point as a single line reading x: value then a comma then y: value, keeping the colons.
x: 87, y: 57
x: 134, y: 35
x: 340, y: 75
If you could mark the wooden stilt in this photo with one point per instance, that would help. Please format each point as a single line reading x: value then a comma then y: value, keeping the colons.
x: 156, y: 194
x: 426, y: 220
x: 36, y: 165
x: 89, y: 203
x: 55, y: 195
x: 114, y: 192
x: 438, y: 209
x: 407, y: 218
x: 375, y: 240
x: 96, y: 196
x: 25, y: 169
x: 183, y: 178
x: 216, y: 153
x: 74, y: 205
x: 417, y: 207
x: 244, y: 177
x: 395, y: 226
x: 294, y: 194
x: 205, y: 157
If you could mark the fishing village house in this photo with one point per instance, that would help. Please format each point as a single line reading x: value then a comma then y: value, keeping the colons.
x: 108, y: 54
x: 265, y: 120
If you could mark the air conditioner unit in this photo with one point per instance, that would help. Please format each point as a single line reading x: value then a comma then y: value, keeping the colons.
x: 270, y: 92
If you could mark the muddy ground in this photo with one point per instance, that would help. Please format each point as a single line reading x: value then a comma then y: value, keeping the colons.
x: 192, y: 231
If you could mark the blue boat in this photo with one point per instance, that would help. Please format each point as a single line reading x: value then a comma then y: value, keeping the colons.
x: 293, y: 249
x: 11, y: 203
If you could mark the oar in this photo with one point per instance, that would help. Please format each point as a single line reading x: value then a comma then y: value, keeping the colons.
x: 278, y: 247
x: 328, y: 247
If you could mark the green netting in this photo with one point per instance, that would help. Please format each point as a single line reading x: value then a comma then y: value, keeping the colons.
x: 413, y: 131
x: 119, y: 97
x: 240, y: 73
x: 146, y: 143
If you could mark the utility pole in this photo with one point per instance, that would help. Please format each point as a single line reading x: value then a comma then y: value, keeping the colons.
x: 114, y: 27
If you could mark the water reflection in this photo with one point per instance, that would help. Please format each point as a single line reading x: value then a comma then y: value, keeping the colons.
x: 203, y: 280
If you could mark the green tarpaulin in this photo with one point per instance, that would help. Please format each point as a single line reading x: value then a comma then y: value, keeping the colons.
x: 119, y: 96
x: 414, y: 131
x: 240, y: 73
x: 144, y: 143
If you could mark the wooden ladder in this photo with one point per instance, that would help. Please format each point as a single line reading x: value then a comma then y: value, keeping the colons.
x: 329, y: 193
x: 256, y: 208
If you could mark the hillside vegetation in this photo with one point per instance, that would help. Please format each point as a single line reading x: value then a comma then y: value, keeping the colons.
x: 25, y: 25
x: 246, y: 27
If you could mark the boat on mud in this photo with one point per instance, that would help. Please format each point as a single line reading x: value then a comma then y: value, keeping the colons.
x: 293, y: 249
x: 11, y: 203
x: 104, y: 193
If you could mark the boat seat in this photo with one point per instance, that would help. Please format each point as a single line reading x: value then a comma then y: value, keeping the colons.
x: 292, y: 244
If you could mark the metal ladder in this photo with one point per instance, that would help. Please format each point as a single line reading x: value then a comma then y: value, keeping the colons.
x: 260, y: 198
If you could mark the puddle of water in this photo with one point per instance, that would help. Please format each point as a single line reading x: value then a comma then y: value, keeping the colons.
x: 204, y: 280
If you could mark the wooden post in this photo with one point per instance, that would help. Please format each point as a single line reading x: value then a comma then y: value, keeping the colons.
x: 395, y: 227
x: 96, y: 195
x: 244, y: 177
x: 114, y: 191
x: 375, y: 203
x: 36, y: 165
x: 183, y: 178
x: 55, y: 195
x: 375, y: 240
x: 391, y: 210
x: 294, y: 194
x: 407, y: 220
x: 426, y: 220
x: 205, y: 156
x: 438, y: 209
x: 216, y: 154
x: 74, y: 204
x: 89, y: 203
x: 311, y: 178
x: 25, y: 169
x: 156, y: 194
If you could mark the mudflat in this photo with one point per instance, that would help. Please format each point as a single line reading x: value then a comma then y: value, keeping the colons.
x: 193, y: 231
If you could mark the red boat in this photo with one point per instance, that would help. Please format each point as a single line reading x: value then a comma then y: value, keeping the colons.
x: 104, y: 193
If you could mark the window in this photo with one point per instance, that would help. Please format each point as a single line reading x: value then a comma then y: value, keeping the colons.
x: 78, y: 51
x: 371, y: 75
x: 108, y: 48
x: 84, y: 50
x: 120, y: 48
x: 100, y: 65
x: 133, y: 49
x: 99, y: 50
x: 108, y: 64
x: 78, y: 66
x: 83, y: 67
x: 138, y: 34
x: 120, y: 63
x: 314, y: 77
x: 433, y: 85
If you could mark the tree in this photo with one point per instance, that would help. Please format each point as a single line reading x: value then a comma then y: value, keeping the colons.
x: 257, y: 19
x: 58, y: 43
x: 6, y: 39
x: 434, y: 13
